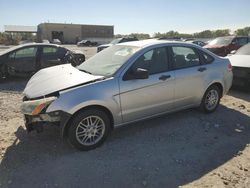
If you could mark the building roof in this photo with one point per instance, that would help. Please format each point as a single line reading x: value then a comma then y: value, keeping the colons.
x: 68, y: 24
x: 20, y: 28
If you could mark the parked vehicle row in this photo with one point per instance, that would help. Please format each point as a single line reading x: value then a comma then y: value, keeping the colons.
x: 241, y: 67
x: 116, y: 41
x: 24, y: 60
x: 56, y: 41
x: 86, y: 43
x: 125, y: 83
x: 223, y: 46
x: 198, y: 42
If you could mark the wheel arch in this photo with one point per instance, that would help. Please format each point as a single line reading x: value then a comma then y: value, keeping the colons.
x: 65, y: 127
x: 219, y: 85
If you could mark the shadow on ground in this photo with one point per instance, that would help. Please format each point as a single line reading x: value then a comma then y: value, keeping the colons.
x: 240, y: 93
x: 169, y: 151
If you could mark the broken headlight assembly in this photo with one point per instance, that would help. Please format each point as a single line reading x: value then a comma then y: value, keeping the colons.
x: 35, y: 107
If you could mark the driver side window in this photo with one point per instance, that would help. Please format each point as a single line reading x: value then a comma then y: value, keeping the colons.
x: 155, y: 61
x: 29, y: 52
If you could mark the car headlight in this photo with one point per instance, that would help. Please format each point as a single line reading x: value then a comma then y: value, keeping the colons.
x: 35, y: 107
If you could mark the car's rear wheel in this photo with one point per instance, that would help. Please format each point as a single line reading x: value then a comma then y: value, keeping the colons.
x: 211, y: 99
x: 89, y: 129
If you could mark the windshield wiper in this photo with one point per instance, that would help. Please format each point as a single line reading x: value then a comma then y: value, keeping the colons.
x: 85, y: 71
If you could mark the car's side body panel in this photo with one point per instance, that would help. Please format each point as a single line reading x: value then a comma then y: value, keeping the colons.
x: 146, y: 97
x: 102, y: 93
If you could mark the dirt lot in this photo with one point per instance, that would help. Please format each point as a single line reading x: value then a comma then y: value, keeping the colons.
x: 188, y: 149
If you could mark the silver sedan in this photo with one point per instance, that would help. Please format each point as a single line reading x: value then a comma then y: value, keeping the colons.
x: 122, y: 84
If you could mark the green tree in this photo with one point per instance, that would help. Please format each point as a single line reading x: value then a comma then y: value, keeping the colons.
x: 243, y: 32
x: 140, y: 36
x: 221, y: 32
x: 204, y: 34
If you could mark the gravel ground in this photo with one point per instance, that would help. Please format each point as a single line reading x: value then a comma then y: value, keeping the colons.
x: 187, y: 149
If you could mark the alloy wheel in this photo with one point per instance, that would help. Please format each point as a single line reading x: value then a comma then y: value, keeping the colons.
x: 90, y: 130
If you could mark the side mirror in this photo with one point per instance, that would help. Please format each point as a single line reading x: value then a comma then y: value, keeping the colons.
x: 233, y: 43
x: 139, y: 73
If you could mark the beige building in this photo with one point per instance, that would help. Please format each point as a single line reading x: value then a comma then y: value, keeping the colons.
x: 72, y: 33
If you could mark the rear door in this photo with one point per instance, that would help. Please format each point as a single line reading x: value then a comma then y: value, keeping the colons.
x: 189, y: 75
x: 141, y: 98
x: 22, y: 61
x: 51, y: 56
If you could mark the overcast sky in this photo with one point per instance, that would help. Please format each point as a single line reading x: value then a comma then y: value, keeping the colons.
x: 144, y: 16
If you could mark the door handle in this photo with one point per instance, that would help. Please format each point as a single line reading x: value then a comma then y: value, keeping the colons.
x: 164, y: 77
x: 202, y: 69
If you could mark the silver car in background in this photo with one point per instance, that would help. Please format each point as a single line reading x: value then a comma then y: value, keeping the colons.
x: 125, y: 83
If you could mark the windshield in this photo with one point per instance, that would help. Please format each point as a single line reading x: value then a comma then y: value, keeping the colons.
x: 107, y: 62
x: 115, y: 41
x: 222, y: 41
x: 244, y: 50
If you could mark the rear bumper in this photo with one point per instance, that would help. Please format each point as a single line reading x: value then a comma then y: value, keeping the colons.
x: 38, y: 122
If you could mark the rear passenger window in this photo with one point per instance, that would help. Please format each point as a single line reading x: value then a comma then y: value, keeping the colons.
x: 184, y: 57
x: 207, y: 58
x: 49, y: 50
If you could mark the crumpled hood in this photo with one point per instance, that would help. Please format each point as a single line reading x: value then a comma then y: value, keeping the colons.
x: 56, y: 78
x: 240, y: 60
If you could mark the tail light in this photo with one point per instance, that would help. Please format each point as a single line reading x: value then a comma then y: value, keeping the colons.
x: 229, y: 67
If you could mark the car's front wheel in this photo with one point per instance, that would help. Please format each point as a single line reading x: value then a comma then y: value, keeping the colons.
x: 89, y: 129
x: 211, y: 99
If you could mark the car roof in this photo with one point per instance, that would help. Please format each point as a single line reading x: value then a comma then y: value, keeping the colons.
x: 154, y: 42
x: 150, y: 42
x: 27, y: 45
x: 37, y: 44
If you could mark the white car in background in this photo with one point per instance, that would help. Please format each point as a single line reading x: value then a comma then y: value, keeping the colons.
x: 240, y: 61
x: 116, y: 41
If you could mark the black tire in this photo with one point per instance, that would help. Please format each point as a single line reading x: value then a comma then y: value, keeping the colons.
x: 204, y: 106
x: 4, y: 72
x: 74, y: 127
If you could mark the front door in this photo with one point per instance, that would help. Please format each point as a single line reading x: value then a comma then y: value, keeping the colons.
x: 141, y: 98
x: 22, y: 61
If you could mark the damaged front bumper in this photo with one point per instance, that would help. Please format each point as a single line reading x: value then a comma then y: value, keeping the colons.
x: 37, y: 122
x: 36, y: 116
